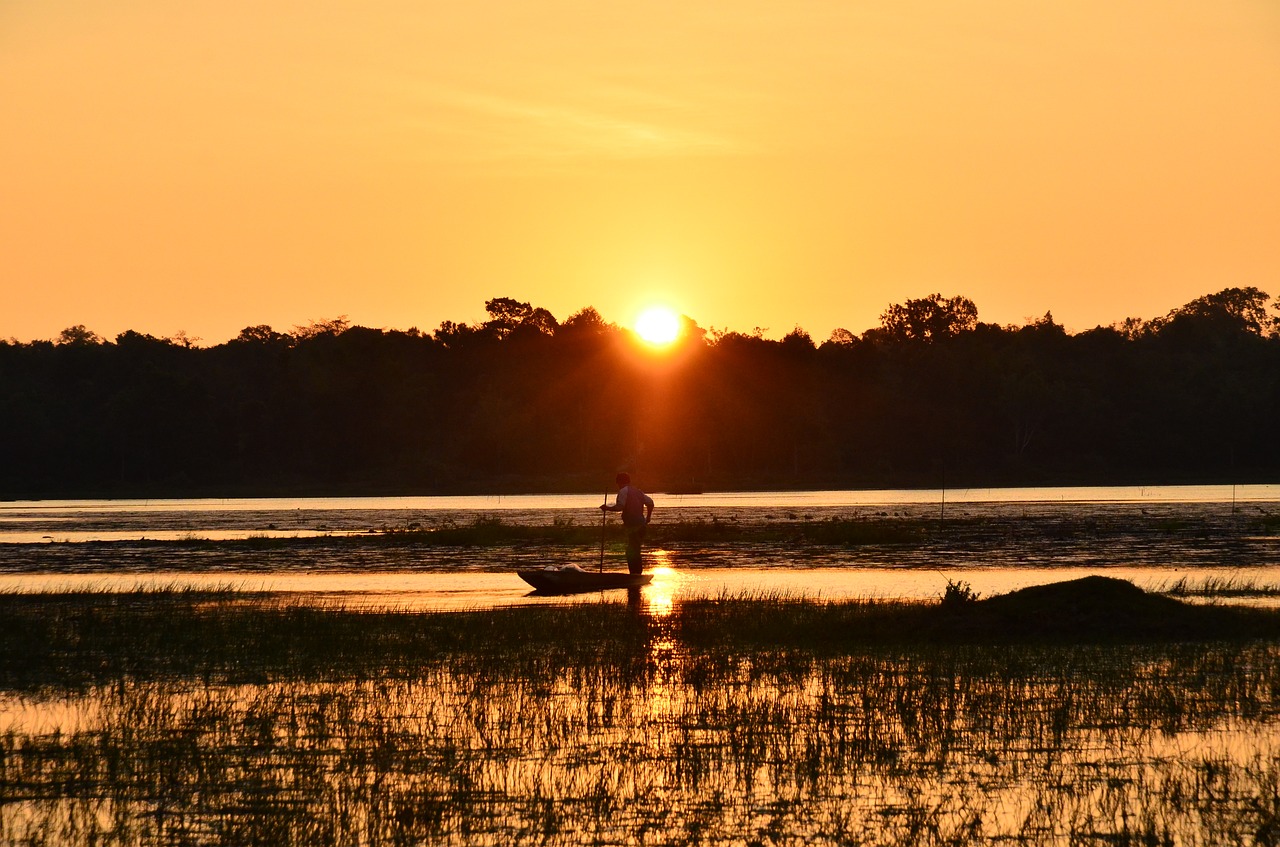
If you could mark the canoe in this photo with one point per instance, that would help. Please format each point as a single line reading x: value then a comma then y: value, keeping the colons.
x: 570, y: 580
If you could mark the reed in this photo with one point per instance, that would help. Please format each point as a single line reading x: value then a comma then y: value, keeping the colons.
x: 840, y: 530
x: 1219, y: 587
x: 82, y: 638
x: 211, y: 717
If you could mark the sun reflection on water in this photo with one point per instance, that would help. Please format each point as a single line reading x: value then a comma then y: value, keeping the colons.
x: 990, y: 745
x: 660, y: 594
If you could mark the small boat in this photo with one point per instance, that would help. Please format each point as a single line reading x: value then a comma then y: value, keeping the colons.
x: 572, y: 579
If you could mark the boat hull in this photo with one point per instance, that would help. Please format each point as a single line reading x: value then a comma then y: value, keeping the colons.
x: 572, y: 581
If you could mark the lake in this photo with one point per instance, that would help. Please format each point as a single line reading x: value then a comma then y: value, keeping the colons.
x: 190, y: 719
x: 994, y: 539
x: 184, y: 719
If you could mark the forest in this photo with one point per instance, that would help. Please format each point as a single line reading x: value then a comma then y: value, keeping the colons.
x: 523, y: 402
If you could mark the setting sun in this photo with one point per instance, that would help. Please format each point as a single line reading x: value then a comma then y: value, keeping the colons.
x: 658, y: 325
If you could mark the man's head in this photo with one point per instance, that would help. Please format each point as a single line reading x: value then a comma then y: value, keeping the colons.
x: 622, y: 479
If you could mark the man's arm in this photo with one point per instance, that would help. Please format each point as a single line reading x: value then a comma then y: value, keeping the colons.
x: 618, y: 502
x: 648, y: 508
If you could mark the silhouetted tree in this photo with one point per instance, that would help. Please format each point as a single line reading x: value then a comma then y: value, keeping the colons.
x: 535, y: 404
x: 1230, y: 310
x: 332, y: 326
x: 78, y: 334
x: 842, y: 337
x: 798, y: 341
x: 587, y: 321
x: 928, y: 319
x: 457, y: 335
x: 262, y: 334
x: 505, y: 314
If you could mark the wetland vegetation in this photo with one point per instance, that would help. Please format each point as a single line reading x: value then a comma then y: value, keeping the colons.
x: 174, y: 717
x: 1098, y: 535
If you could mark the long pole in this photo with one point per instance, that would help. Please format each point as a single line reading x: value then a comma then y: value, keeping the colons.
x: 603, y: 513
x: 943, y: 514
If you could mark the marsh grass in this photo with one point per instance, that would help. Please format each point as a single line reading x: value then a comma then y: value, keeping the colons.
x: 83, y: 638
x: 866, y: 530
x: 1219, y: 587
x: 211, y: 717
x: 485, y: 543
x: 792, y: 528
x: 489, y: 531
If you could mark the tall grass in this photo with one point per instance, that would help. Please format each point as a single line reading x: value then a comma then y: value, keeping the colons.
x: 209, y: 718
x: 1219, y: 587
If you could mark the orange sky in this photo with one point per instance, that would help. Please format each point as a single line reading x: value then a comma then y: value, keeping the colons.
x: 205, y: 166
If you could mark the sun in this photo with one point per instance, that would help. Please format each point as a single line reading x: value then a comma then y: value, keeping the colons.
x: 658, y: 325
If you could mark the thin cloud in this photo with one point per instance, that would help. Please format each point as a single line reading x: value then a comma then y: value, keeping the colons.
x: 631, y: 126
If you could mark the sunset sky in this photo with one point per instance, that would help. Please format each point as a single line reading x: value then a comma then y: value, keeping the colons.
x: 204, y: 166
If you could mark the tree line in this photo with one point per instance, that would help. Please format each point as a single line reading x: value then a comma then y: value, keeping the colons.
x: 524, y: 402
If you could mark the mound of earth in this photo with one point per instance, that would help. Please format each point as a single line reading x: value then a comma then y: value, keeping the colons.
x: 1099, y: 608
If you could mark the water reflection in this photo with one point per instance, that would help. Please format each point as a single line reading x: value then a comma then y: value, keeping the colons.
x: 670, y: 586
x: 830, y: 545
x: 83, y: 520
x: 649, y: 742
x: 983, y: 746
x: 660, y: 594
x: 780, y: 499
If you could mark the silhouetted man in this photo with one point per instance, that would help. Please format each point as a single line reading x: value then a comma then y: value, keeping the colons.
x: 637, y: 509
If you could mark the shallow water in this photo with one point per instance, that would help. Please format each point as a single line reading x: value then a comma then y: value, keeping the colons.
x: 994, y: 539
x: 1173, y: 744
x: 33, y: 521
x: 437, y: 591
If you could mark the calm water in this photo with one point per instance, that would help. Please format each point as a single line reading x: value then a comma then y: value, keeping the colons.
x: 85, y: 520
x: 649, y: 743
x: 1153, y: 535
x: 1060, y: 745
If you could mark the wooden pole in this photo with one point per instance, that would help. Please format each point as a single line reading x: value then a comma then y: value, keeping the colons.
x: 603, y: 514
x: 942, y: 516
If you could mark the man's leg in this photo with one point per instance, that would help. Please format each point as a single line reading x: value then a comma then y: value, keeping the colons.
x: 634, y: 539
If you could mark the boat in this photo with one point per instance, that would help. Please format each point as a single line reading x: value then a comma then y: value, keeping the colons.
x: 572, y: 579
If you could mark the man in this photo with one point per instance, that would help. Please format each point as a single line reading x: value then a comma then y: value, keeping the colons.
x: 637, y: 509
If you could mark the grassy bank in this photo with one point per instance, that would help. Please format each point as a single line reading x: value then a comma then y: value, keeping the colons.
x: 84, y: 638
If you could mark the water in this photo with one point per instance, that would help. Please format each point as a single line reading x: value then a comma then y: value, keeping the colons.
x: 652, y: 744
x: 24, y: 521
x: 995, y: 539
x: 644, y: 742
